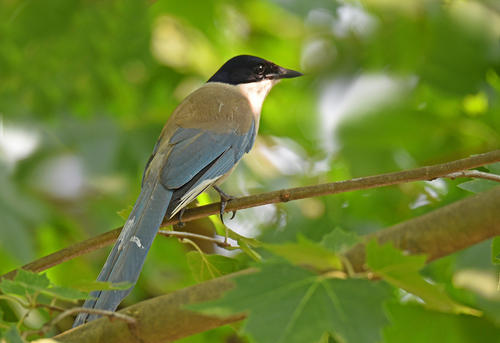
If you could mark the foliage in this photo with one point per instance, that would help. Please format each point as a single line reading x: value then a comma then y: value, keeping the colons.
x: 402, y: 271
x: 431, y: 326
x: 303, y: 306
x: 32, y: 298
x: 390, y: 85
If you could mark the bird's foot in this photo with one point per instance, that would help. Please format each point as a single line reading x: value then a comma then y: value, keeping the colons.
x: 224, y: 199
x: 180, y: 224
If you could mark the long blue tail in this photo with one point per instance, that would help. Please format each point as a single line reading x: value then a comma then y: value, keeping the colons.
x: 125, y: 261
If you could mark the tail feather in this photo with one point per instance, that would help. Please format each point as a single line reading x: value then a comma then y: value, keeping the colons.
x: 127, y: 257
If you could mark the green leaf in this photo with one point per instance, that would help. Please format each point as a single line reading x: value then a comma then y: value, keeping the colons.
x: 494, y: 168
x: 24, y: 283
x: 495, y: 250
x: 478, y: 185
x: 207, y: 267
x: 124, y: 213
x: 11, y: 335
x: 65, y: 293
x: 306, y: 253
x: 302, y: 306
x: 246, y: 245
x: 27, y: 282
x: 403, y: 271
x: 12, y: 287
x: 339, y: 240
x: 34, y: 280
x: 412, y: 323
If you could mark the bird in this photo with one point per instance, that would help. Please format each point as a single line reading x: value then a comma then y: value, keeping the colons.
x: 200, y: 145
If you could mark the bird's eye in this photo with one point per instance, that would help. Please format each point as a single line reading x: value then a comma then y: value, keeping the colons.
x: 259, y: 69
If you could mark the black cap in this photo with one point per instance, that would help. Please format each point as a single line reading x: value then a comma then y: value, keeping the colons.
x: 247, y: 68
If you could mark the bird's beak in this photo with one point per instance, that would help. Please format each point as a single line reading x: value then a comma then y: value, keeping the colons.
x: 283, y: 73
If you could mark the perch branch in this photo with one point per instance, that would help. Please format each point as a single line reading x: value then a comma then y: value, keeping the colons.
x: 418, y: 174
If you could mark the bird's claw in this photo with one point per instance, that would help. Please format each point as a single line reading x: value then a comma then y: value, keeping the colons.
x: 224, y: 199
x: 180, y: 224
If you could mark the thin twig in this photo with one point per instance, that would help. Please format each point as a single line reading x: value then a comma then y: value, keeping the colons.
x: 51, y: 307
x: 477, y: 174
x: 284, y: 195
x: 182, y: 234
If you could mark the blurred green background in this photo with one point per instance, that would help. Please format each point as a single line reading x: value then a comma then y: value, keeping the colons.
x: 86, y: 86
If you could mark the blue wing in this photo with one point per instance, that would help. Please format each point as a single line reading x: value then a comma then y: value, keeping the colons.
x: 194, y: 149
x: 198, y: 158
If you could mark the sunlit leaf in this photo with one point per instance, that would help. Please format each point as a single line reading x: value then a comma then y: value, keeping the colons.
x: 307, y: 253
x: 247, y: 245
x: 403, y: 271
x: 475, y: 104
x: 205, y: 267
x: 124, y: 213
x: 339, y: 240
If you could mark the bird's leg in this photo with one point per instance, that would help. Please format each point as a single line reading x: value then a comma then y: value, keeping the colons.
x: 224, y: 198
x: 180, y: 224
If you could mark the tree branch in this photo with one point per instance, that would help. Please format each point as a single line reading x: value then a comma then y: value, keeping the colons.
x: 388, y: 179
x: 418, y: 174
x: 164, y: 319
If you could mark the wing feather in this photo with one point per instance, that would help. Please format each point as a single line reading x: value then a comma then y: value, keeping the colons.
x: 192, y: 154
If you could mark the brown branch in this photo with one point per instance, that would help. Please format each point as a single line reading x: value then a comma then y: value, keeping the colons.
x: 164, y: 319
x: 284, y: 195
x: 418, y: 174
x: 441, y: 232
x: 68, y: 253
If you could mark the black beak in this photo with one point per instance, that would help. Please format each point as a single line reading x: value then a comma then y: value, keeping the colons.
x: 283, y: 73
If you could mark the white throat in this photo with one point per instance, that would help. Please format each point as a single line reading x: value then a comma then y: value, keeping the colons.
x: 256, y: 93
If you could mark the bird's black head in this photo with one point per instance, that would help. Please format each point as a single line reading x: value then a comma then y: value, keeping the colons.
x: 246, y: 69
